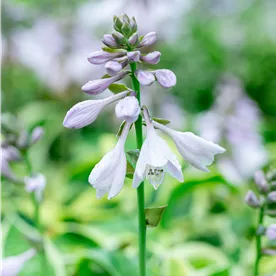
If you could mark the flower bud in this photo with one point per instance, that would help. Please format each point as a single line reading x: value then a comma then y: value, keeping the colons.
x: 35, y: 183
x: 128, y: 109
x: 271, y: 232
x: 148, y: 39
x: 261, y: 182
x: 151, y: 58
x: 133, y: 39
x: 113, y: 67
x: 101, y: 57
x: 117, y: 23
x: 96, y: 87
x: 23, y: 140
x: 133, y: 56
x: 165, y: 77
x: 144, y: 77
x: 271, y: 197
x: 119, y: 38
x: 109, y: 41
x: 252, y: 200
x: 37, y: 134
x: 10, y: 153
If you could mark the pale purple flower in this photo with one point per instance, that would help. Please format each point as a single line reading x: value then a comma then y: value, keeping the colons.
x: 109, y: 41
x: 144, y: 77
x: 261, y: 182
x: 252, y: 200
x: 272, y: 197
x: 101, y: 57
x: 113, y: 67
x: 128, y: 109
x: 133, y: 39
x: 196, y: 150
x: 35, y: 184
x: 151, y: 58
x: 109, y: 174
x: 37, y: 134
x: 165, y: 77
x: 133, y: 56
x: 95, y: 87
x: 11, y: 266
x: 148, y: 39
x: 86, y: 112
x: 155, y: 159
x: 271, y: 232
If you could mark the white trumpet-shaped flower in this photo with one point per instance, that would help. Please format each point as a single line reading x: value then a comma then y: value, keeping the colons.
x: 86, y: 112
x: 128, y: 109
x: 196, y: 150
x: 109, y: 174
x: 155, y: 159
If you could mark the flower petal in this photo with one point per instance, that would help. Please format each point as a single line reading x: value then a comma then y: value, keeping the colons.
x: 166, y: 78
x: 148, y: 39
x: 144, y: 77
x: 151, y: 58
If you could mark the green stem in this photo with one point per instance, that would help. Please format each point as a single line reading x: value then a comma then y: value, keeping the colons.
x: 140, y: 190
x: 259, y: 243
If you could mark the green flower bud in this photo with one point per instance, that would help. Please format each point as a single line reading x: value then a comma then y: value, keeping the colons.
x: 119, y: 38
x: 126, y: 29
x: 117, y: 23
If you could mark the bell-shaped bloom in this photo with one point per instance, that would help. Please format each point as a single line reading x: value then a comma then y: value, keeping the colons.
x: 271, y: 232
x: 155, y: 159
x: 11, y: 266
x: 148, y: 39
x: 86, y: 112
x: 109, y: 174
x: 37, y: 134
x: 144, y: 77
x: 109, y: 41
x: 35, y: 184
x: 133, y: 56
x: 113, y: 67
x: 165, y: 77
x: 194, y: 149
x: 96, y: 87
x: 101, y: 57
x: 151, y: 58
x: 128, y: 109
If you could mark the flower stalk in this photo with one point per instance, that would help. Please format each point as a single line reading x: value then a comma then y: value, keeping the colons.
x: 140, y: 189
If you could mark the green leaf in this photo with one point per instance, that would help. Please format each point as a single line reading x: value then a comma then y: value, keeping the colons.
x: 109, y: 50
x: 154, y: 215
x: 161, y: 121
x: 132, y: 157
x: 105, y: 76
x: 118, y: 87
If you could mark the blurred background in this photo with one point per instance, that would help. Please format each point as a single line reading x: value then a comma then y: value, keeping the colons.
x: 224, y: 56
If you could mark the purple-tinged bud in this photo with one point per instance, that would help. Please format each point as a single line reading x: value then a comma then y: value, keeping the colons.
x: 35, y: 183
x: 128, y: 109
x: 261, y: 182
x: 119, y: 38
x: 101, y: 57
x: 37, y: 134
x: 133, y: 56
x: 96, y: 87
x: 144, y: 77
x: 165, y: 77
x: 113, y: 67
x: 151, y: 58
x: 271, y: 232
x: 271, y: 197
x: 269, y: 251
x: 109, y: 41
x: 148, y: 39
x: 133, y: 39
x: 23, y: 140
x: 10, y: 153
x: 252, y: 200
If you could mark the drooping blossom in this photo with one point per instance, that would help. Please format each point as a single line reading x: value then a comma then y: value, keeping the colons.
x: 151, y: 58
x: 148, y: 39
x: 109, y: 174
x: 144, y: 77
x: 86, y: 112
x: 197, y: 151
x: 11, y: 266
x: 155, y: 159
x: 101, y: 57
x: 128, y: 109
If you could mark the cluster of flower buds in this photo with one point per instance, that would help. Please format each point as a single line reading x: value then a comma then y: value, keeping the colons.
x: 155, y: 158
x: 15, y: 144
x: 264, y: 197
